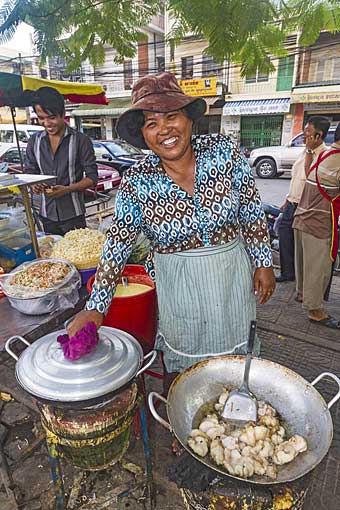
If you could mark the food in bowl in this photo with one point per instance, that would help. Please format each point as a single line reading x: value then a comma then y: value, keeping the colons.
x: 82, y: 247
x: 42, y: 286
x: 132, y: 289
x: 254, y: 449
x: 41, y: 276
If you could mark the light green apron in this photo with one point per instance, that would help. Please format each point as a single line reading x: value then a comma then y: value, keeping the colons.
x: 206, y: 302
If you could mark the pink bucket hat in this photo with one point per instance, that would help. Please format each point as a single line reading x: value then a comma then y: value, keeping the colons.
x: 155, y: 93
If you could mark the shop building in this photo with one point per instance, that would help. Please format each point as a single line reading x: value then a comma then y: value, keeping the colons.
x: 317, y: 88
x: 117, y: 79
x: 258, y: 110
x: 198, y: 75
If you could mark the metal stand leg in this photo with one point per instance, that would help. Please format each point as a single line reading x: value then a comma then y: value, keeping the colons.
x: 147, y: 450
x: 57, y: 478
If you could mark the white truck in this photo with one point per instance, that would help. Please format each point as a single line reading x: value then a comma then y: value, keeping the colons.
x: 270, y: 162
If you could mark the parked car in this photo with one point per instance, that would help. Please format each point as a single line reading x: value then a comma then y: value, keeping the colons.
x: 116, y: 153
x: 108, y: 177
x: 7, y: 134
x: 273, y: 161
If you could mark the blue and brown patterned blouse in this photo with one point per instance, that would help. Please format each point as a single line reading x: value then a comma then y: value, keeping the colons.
x: 225, y: 204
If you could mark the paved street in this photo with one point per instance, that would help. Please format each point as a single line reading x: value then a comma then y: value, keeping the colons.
x: 274, y: 191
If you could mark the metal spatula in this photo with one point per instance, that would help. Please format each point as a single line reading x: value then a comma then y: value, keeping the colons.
x: 241, y: 405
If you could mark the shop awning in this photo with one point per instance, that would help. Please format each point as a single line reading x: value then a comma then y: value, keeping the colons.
x: 116, y: 107
x: 257, y: 107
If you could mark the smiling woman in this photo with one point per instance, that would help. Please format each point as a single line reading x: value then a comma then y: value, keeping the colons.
x: 194, y: 197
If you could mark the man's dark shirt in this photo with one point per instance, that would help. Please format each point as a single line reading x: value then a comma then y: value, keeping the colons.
x: 73, y: 160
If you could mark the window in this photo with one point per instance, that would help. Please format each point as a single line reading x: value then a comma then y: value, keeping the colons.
x: 330, y: 137
x: 298, y: 141
x: 22, y: 136
x: 257, y: 77
x: 336, y: 68
x: 12, y: 155
x: 319, y: 70
x: 122, y: 149
x: 160, y: 64
x: 187, y: 67
x: 128, y: 76
x: 285, y: 73
x: 100, y: 151
x: 209, y: 66
x: 6, y: 136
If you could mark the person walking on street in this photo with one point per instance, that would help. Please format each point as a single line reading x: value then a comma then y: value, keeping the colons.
x: 68, y: 154
x: 195, y: 199
x: 286, y: 231
x: 316, y: 224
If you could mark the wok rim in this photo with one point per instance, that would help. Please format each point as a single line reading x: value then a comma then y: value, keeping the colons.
x: 215, y: 467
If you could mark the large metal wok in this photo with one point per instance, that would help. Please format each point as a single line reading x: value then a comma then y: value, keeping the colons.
x: 301, y: 406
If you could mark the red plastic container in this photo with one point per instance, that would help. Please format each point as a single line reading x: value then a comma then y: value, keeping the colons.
x: 136, y: 315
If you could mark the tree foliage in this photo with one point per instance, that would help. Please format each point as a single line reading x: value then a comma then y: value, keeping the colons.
x: 79, y: 29
x: 248, y: 32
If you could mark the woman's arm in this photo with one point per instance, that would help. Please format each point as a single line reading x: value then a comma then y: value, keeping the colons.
x: 125, y: 227
x: 254, y: 230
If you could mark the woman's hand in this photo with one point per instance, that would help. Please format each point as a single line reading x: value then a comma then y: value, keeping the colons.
x: 264, y: 283
x: 82, y: 318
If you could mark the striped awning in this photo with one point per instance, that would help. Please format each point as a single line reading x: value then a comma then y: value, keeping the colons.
x: 257, y: 107
x: 18, y: 90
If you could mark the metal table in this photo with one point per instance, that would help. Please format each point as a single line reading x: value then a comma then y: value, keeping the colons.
x: 33, y: 327
x: 23, y: 181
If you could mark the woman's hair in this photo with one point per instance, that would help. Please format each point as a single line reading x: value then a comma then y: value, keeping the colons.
x: 50, y: 100
x: 139, y: 119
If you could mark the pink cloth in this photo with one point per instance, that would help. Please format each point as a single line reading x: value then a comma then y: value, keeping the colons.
x: 82, y: 343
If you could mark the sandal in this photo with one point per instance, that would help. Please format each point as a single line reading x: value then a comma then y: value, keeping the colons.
x: 329, y: 322
x: 298, y: 298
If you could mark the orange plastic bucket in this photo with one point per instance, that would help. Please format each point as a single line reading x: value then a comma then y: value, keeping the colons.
x: 137, y: 314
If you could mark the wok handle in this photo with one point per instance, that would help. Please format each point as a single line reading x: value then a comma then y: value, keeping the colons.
x: 10, y: 341
x: 336, y: 379
x: 154, y: 413
x: 151, y: 354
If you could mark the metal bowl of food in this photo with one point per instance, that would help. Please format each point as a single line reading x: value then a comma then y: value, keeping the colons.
x: 42, y: 286
x: 301, y: 407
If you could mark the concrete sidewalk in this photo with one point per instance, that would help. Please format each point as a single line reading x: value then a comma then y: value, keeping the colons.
x: 282, y: 315
x: 287, y: 338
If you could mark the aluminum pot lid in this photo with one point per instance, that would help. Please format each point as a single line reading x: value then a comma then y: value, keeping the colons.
x: 43, y: 371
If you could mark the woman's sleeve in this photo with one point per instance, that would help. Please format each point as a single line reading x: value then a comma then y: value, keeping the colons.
x: 120, y: 238
x: 251, y: 216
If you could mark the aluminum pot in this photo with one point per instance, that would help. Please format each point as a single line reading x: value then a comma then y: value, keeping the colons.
x: 44, y: 372
x: 303, y: 409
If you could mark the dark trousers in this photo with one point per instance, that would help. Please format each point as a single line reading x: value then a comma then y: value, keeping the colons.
x: 62, y: 227
x: 286, y: 238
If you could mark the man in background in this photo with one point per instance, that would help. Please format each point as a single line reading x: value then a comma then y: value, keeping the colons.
x: 297, y: 183
x: 313, y: 223
x: 65, y: 153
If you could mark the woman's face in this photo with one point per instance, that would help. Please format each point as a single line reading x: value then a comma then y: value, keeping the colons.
x: 168, y: 134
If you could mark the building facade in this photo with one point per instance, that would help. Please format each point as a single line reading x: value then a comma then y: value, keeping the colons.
x: 117, y: 79
x: 317, y: 87
x: 258, y: 110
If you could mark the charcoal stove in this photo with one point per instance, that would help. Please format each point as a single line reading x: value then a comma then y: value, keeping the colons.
x: 202, y: 489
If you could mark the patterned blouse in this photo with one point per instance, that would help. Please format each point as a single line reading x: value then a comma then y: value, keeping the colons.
x: 225, y: 204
